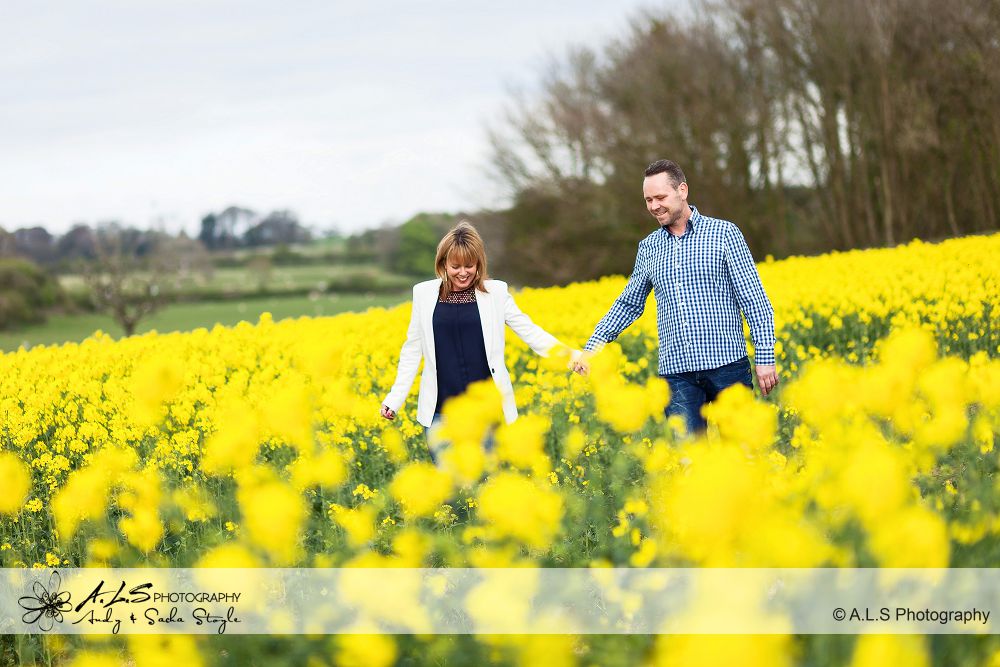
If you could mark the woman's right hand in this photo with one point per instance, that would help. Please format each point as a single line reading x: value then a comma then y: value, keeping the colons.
x: 387, y: 413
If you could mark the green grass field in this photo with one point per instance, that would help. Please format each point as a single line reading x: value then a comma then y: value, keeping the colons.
x: 188, y: 316
x: 277, y: 279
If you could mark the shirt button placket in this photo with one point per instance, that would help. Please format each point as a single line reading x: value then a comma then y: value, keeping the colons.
x: 686, y: 333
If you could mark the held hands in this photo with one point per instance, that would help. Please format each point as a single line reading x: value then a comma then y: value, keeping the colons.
x: 767, y: 378
x: 573, y: 357
x: 580, y: 361
x: 387, y: 413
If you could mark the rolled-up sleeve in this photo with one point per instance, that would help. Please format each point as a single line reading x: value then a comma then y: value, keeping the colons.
x: 627, y: 308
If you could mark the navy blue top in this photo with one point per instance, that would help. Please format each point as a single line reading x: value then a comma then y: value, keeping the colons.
x: 459, y: 349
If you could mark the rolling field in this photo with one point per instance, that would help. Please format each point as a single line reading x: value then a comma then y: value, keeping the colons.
x: 261, y: 445
x: 188, y: 316
x: 242, y: 280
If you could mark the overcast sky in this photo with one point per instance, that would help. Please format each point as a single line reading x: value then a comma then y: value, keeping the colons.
x: 351, y: 115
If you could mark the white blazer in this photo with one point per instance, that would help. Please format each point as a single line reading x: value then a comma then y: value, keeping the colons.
x: 496, y: 308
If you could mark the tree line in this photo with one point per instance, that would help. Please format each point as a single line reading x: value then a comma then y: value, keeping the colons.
x: 130, y: 273
x: 234, y: 227
x: 812, y: 125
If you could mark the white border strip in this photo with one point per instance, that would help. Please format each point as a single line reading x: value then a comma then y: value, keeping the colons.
x: 500, y: 601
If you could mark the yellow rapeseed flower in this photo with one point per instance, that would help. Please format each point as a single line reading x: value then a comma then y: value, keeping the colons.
x: 879, y: 650
x: 156, y: 380
x: 724, y: 651
x: 87, y: 491
x: 234, y: 445
x: 522, y: 444
x: 169, y: 650
x: 358, y: 523
x: 15, y: 480
x: 420, y: 489
x: 366, y: 650
x: 517, y: 507
x: 95, y: 659
x: 273, y: 513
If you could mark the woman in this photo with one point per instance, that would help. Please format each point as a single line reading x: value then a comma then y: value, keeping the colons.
x: 457, y: 326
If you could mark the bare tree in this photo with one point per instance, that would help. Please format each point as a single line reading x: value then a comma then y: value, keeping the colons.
x: 130, y: 278
x: 813, y: 125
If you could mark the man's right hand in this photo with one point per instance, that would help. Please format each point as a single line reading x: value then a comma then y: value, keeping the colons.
x: 581, y: 364
x: 387, y: 413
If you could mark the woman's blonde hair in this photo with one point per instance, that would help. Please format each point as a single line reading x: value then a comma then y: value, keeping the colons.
x: 466, y: 245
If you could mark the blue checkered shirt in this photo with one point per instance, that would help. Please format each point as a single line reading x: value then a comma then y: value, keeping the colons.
x: 701, y: 281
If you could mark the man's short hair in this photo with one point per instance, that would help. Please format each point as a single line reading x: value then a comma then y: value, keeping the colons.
x: 668, y: 167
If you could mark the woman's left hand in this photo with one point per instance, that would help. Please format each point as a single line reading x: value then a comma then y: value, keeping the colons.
x: 387, y: 413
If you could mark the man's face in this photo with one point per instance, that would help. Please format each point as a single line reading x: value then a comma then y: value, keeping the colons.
x: 666, y: 203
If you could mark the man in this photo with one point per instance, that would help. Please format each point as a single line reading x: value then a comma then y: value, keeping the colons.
x: 703, y: 276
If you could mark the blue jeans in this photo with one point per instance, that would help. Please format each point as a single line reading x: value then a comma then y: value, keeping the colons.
x: 436, y: 420
x: 690, y: 391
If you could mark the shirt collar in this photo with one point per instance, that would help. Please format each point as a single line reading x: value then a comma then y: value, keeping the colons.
x: 695, y: 217
x: 692, y: 222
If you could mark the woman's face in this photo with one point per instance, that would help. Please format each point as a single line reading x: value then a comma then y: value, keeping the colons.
x: 461, y: 271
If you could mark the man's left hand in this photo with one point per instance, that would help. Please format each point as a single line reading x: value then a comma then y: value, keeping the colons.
x: 767, y: 378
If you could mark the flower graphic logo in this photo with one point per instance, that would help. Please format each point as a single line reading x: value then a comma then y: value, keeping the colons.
x: 47, y: 605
